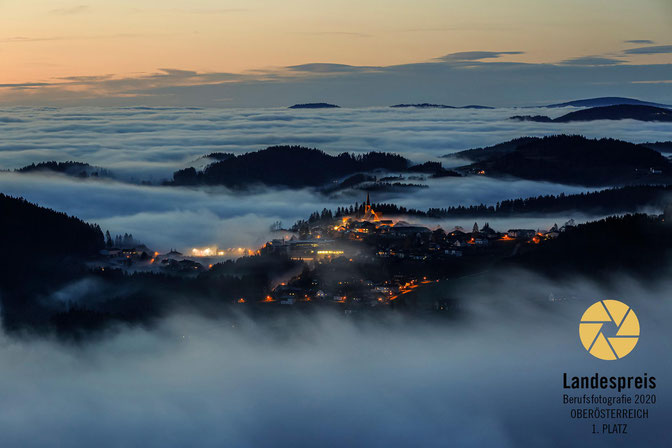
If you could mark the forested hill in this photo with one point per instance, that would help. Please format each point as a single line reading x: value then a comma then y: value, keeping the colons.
x: 636, y: 245
x: 292, y: 166
x: 630, y: 199
x: 617, y: 112
x: 41, y: 250
x: 78, y: 169
x: 571, y: 160
x: 664, y: 147
x: 26, y: 229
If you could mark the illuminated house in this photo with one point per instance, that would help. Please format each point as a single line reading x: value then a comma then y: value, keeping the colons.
x: 306, y: 250
x: 521, y: 233
x: 408, y: 230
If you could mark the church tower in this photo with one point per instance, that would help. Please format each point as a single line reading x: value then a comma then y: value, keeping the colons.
x: 367, y: 206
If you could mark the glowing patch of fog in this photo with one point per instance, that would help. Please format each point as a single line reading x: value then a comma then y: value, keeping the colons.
x: 494, y: 380
x: 166, y: 217
x: 152, y: 143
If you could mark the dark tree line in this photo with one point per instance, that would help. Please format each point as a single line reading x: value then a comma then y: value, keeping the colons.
x: 29, y: 229
x: 42, y: 250
x: 608, y: 201
x: 78, y: 169
x: 119, y: 241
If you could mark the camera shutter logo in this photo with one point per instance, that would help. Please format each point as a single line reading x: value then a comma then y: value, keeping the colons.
x: 605, y: 312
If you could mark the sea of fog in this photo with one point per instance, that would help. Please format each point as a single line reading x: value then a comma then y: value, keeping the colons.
x: 172, y: 217
x: 142, y: 143
x: 493, y: 378
x: 150, y: 143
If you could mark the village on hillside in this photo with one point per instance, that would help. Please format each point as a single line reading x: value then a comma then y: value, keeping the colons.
x: 338, y: 252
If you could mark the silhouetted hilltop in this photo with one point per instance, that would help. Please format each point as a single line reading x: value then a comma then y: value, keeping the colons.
x: 433, y: 168
x: 41, y: 250
x: 291, y: 166
x: 440, y: 106
x: 219, y: 155
x: 619, y: 112
x: 606, y: 101
x: 44, y: 251
x: 482, y: 154
x: 29, y: 231
x: 314, y: 106
x: 571, y: 160
x: 77, y: 169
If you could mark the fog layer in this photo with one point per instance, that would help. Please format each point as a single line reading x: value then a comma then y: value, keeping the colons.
x: 493, y: 378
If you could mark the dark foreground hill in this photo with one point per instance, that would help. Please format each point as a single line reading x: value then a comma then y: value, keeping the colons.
x: 637, y: 245
x: 47, y: 285
x: 659, y: 146
x: 618, y: 112
x: 41, y: 249
x: 571, y: 160
x: 27, y: 230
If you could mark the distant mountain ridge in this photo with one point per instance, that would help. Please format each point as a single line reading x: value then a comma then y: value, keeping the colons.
x: 606, y: 101
x: 70, y: 168
x: 619, y: 112
x: 314, y: 106
x: 440, y: 106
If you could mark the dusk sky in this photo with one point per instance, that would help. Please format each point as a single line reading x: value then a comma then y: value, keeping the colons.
x: 361, y: 223
x: 269, y: 53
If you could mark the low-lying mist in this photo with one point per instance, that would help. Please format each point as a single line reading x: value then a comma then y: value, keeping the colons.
x: 176, y: 217
x: 492, y: 377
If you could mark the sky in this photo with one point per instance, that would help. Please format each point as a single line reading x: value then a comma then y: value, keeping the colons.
x: 357, y: 53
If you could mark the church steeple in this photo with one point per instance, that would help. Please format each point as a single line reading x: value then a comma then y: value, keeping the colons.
x: 368, y: 202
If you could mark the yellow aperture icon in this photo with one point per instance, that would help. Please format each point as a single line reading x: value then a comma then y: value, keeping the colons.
x: 592, y: 326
